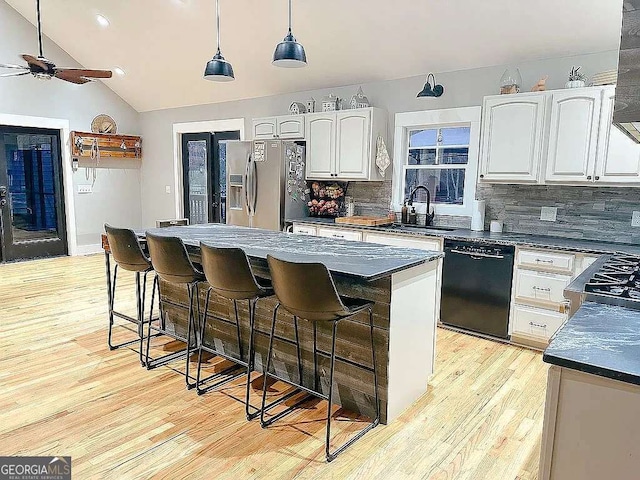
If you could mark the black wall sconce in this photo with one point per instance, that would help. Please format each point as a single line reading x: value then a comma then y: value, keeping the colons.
x: 430, y: 88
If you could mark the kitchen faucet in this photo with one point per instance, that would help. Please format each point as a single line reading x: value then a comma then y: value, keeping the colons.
x: 429, y: 216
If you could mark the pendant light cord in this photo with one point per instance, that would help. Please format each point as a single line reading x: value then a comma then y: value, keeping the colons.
x: 289, y: 16
x: 39, y: 27
x: 218, y: 23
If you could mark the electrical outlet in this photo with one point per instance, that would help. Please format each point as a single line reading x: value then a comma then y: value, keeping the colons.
x: 635, y: 219
x: 167, y: 189
x: 548, y: 214
x: 85, y: 189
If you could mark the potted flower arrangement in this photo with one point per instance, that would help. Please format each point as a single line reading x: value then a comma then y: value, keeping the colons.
x: 577, y: 79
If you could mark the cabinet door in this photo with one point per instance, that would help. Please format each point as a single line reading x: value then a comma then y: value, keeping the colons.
x: 320, y: 136
x: 353, y: 144
x: 291, y: 127
x: 512, y: 136
x: 264, y: 128
x: 618, y: 155
x: 573, y: 136
x: 304, y: 229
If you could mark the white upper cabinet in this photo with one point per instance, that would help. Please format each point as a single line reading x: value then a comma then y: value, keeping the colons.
x: 289, y: 126
x: 321, y: 152
x: 342, y: 145
x: 573, y: 135
x: 353, y: 143
x: 619, y: 155
x: 566, y: 135
x: 512, y: 138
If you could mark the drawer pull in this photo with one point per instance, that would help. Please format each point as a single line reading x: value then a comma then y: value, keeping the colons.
x: 335, y: 235
x: 541, y: 289
x: 540, y: 260
x: 539, y: 325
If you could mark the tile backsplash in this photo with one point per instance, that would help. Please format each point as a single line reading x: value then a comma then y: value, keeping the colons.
x: 591, y: 213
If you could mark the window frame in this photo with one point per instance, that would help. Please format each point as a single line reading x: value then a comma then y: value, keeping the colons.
x: 436, y: 119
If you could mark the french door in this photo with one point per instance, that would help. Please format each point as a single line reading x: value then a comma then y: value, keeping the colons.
x: 204, y: 176
x: 32, y: 213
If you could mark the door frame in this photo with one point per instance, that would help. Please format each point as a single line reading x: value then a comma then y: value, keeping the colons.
x: 195, y: 127
x: 65, y: 157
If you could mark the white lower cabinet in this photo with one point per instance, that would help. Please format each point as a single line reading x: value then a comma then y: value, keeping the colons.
x: 304, y: 229
x: 402, y: 241
x: 341, y: 234
x: 536, y: 322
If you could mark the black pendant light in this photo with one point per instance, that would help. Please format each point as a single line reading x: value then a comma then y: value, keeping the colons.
x: 431, y: 89
x: 218, y: 69
x: 289, y: 53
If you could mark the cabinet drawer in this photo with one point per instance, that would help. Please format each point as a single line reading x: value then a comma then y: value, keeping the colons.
x: 304, y: 230
x: 536, y: 322
x: 341, y: 234
x: 541, y: 287
x: 546, y: 260
x: 433, y: 244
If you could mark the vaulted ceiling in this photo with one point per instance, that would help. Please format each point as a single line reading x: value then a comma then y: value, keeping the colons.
x: 163, y: 45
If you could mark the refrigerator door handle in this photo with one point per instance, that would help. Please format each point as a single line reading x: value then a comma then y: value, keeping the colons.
x: 254, y: 186
x: 245, y: 185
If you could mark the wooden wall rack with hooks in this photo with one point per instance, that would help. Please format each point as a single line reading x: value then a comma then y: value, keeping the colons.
x: 113, y: 146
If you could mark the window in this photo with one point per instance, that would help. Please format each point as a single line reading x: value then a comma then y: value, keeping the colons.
x: 439, y: 150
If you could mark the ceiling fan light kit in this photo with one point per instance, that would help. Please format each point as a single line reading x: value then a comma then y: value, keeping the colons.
x: 44, y: 69
x: 289, y: 53
x: 431, y: 89
x: 218, y: 69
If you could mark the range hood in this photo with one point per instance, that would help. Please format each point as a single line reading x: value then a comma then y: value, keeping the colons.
x: 626, y: 115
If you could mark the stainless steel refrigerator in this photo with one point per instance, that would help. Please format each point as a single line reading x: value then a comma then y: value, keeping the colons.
x: 265, y: 183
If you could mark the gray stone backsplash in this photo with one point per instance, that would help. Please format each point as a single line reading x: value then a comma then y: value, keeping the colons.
x: 590, y: 213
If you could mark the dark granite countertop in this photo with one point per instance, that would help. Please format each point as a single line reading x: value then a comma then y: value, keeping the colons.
x: 519, y: 239
x: 599, y: 339
x: 364, y: 260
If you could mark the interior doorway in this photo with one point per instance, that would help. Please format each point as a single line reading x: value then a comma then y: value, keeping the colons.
x: 32, y: 211
x: 204, y: 177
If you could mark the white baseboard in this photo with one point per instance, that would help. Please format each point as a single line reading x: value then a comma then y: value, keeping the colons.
x: 88, y: 249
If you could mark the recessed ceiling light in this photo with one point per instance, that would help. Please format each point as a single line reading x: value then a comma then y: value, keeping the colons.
x: 102, y: 20
x: 119, y: 71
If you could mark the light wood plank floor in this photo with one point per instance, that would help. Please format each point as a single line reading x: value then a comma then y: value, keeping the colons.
x: 62, y: 392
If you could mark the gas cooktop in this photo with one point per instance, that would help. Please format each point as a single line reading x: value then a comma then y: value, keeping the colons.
x: 618, y: 277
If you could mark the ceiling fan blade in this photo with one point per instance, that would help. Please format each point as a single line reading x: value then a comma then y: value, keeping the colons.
x: 31, y: 60
x: 71, y: 77
x: 18, y: 67
x: 14, y: 74
x: 80, y: 72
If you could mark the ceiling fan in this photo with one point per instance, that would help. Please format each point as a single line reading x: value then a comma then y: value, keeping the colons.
x: 45, y: 69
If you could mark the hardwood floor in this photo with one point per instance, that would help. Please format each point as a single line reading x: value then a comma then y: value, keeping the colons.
x: 62, y: 392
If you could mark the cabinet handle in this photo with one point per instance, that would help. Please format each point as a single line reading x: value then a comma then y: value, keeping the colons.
x: 539, y: 325
x: 540, y: 260
x: 542, y: 289
x: 482, y: 176
x: 335, y: 235
x: 588, y: 177
x: 597, y: 177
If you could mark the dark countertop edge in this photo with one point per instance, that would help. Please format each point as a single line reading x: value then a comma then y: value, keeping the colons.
x: 592, y: 369
x: 545, y: 241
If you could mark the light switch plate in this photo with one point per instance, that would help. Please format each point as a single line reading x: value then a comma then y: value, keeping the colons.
x: 549, y: 214
x: 635, y: 219
x: 167, y: 189
x: 85, y: 189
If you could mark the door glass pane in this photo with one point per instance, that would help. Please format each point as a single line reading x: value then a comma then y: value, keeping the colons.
x: 446, y: 185
x: 198, y: 211
x: 455, y: 136
x: 222, y: 179
x: 31, y: 189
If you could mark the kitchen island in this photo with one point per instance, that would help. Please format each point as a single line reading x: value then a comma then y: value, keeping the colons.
x: 401, y: 282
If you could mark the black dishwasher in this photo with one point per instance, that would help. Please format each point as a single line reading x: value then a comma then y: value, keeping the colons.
x: 476, y: 286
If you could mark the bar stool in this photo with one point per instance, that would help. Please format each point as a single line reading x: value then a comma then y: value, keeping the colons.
x: 307, y: 290
x: 172, y: 264
x: 230, y: 276
x: 128, y: 255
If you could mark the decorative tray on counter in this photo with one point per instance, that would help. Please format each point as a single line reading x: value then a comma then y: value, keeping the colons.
x: 365, y: 221
x: 326, y: 199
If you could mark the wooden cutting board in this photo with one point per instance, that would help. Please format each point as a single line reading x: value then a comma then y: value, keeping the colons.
x: 364, y: 221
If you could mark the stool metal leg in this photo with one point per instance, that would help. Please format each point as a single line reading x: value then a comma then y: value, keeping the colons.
x: 190, y: 325
x: 111, y: 285
x: 298, y: 352
x: 332, y: 455
x: 266, y: 369
x: 250, y: 360
x: 316, y: 379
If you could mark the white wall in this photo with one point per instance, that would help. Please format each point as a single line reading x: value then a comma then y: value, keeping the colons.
x: 116, y: 196
x: 462, y: 88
